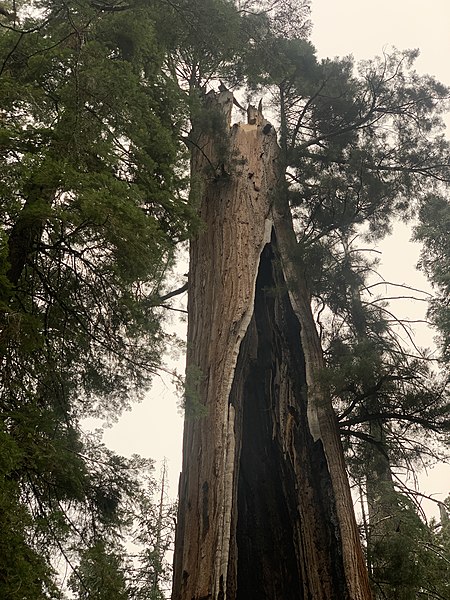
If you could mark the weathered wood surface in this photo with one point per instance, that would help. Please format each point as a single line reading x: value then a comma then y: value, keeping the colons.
x: 265, y: 510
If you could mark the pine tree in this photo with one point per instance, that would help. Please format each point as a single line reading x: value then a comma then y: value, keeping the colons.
x: 432, y: 230
x: 391, y: 414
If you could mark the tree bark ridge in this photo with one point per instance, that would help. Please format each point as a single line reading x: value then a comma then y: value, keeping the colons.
x: 224, y: 260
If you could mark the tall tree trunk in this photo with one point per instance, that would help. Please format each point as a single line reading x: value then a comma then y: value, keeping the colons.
x: 265, y: 509
x: 383, y: 509
x: 26, y: 233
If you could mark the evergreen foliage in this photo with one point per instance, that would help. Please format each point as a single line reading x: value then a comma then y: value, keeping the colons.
x: 432, y: 230
x: 92, y: 204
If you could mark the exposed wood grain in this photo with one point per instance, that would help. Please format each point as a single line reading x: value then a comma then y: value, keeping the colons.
x: 224, y: 261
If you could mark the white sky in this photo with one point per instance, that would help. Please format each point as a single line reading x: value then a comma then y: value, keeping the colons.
x: 340, y: 27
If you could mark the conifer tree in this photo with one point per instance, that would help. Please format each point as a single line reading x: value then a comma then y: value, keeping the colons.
x: 92, y: 204
x: 95, y: 100
x: 351, y: 155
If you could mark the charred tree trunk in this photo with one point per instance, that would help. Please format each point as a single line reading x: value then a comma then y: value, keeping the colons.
x: 265, y: 509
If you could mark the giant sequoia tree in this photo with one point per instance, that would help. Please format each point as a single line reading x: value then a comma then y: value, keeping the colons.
x: 265, y: 507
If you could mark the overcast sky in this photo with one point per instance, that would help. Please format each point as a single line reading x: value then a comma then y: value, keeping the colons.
x: 362, y: 28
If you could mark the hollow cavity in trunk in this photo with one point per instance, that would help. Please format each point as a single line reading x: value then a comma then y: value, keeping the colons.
x: 281, y: 510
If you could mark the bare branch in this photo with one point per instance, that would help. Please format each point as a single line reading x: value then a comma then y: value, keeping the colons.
x: 180, y: 290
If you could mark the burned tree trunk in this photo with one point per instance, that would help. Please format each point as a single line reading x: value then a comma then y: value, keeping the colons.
x: 265, y: 510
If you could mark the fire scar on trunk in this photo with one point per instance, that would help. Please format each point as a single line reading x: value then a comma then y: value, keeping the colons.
x: 265, y: 510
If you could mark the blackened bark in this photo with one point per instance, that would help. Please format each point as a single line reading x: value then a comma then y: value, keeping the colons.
x: 280, y: 511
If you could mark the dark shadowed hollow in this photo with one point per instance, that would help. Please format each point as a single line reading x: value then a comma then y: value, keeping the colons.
x: 270, y: 519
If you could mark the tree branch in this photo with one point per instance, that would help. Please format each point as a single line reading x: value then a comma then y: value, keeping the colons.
x: 180, y: 290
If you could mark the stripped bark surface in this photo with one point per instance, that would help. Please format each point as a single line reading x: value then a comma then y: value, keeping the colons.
x: 265, y: 509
